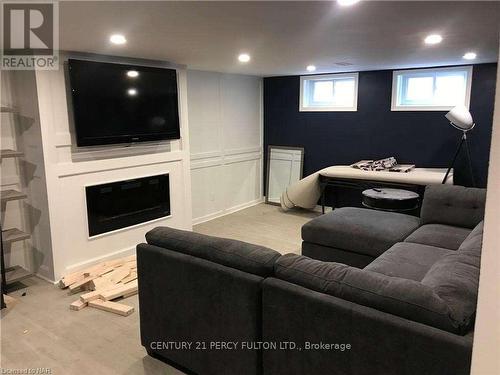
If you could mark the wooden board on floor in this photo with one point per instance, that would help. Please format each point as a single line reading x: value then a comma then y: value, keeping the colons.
x: 118, y: 274
x: 75, y: 286
x: 90, y: 296
x: 77, y: 305
x: 120, y: 291
x: 101, y: 283
x: 114, y: 307
x: 87, y: 279
x: 69, y: 279
x: 74, y: 277
x: 129, y: 278
x: 104, y: 282
x: 110, y: 279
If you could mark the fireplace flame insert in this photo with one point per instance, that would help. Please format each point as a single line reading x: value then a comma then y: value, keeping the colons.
x: 121, y: 204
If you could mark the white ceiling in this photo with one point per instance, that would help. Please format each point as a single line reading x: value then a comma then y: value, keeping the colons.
x: 284, y: 37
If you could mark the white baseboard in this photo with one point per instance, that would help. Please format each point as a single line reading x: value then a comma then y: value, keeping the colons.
x: 90, y: 262
x: 227, y: 211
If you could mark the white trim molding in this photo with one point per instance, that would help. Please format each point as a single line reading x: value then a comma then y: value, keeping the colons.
x: 228, y: 211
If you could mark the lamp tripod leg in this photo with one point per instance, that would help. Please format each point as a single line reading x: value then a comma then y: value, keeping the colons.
x: 469, y: 161
x: 464, y: 137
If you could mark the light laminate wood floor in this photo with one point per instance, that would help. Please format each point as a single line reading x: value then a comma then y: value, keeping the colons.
x: 264, y: 225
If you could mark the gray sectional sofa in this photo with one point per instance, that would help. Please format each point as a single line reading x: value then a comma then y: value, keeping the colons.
x: 398, y: 301
x: 357, y: 237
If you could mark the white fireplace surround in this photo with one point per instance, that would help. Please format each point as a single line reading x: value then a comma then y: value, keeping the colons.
x: 68, y: 170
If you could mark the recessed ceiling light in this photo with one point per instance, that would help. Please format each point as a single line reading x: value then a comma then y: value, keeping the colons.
x: 433, y: 39
x: 132, y: 73
x: 244, y: 57
x: 132, y: 92
x: 117, y: 39
x: 470, y: 56
x: 347, y: 2
x: 311, y: 68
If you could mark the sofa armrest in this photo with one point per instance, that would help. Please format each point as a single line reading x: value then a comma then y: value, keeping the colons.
x: 453, y: 205
x: 380, y: 343
x: 186, y: 303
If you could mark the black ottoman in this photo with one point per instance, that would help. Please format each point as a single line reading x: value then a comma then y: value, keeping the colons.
x: 355, y: 236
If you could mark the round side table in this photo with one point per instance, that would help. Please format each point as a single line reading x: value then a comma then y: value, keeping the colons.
x: 386, y: 199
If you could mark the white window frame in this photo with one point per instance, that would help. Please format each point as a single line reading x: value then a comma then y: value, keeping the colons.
x: 304, y: 108
x: 394, y: 100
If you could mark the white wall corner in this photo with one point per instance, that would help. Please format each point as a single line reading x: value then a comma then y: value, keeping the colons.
x: 485, y: 356
x: 184, y: 121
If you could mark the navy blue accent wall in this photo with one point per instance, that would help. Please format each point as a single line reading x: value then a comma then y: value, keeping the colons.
x: 374, y: 131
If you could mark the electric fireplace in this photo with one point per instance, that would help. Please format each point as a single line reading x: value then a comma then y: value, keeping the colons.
x: 121, y: 204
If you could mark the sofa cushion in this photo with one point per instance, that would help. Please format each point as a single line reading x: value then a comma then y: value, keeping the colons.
x: 243, y: 256
x: 359, y: 230
x: 453, y: 205
x: 439, y: 235
x: 407, y: 260
x: 406, y: 298
x: 455, y: 278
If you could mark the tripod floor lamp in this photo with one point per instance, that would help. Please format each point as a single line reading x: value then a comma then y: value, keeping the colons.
x: 461, y: 119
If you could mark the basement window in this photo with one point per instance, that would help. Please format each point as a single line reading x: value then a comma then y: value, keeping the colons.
x: 329, y: 92
x: 438, y: 89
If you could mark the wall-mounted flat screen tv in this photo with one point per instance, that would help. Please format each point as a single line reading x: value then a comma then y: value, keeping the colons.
x: 116, y: 103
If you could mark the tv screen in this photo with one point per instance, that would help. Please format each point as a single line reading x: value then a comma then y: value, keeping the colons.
x: 115, y: 103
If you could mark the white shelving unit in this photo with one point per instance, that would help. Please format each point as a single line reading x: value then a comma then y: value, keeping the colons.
x: 15, y: 273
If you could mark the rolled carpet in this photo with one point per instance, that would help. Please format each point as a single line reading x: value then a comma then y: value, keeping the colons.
x: 304, y: 193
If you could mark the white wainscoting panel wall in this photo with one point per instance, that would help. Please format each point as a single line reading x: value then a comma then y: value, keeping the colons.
x: 225, y: 125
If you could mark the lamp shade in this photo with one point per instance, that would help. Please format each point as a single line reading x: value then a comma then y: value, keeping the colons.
x: 460, y: 118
